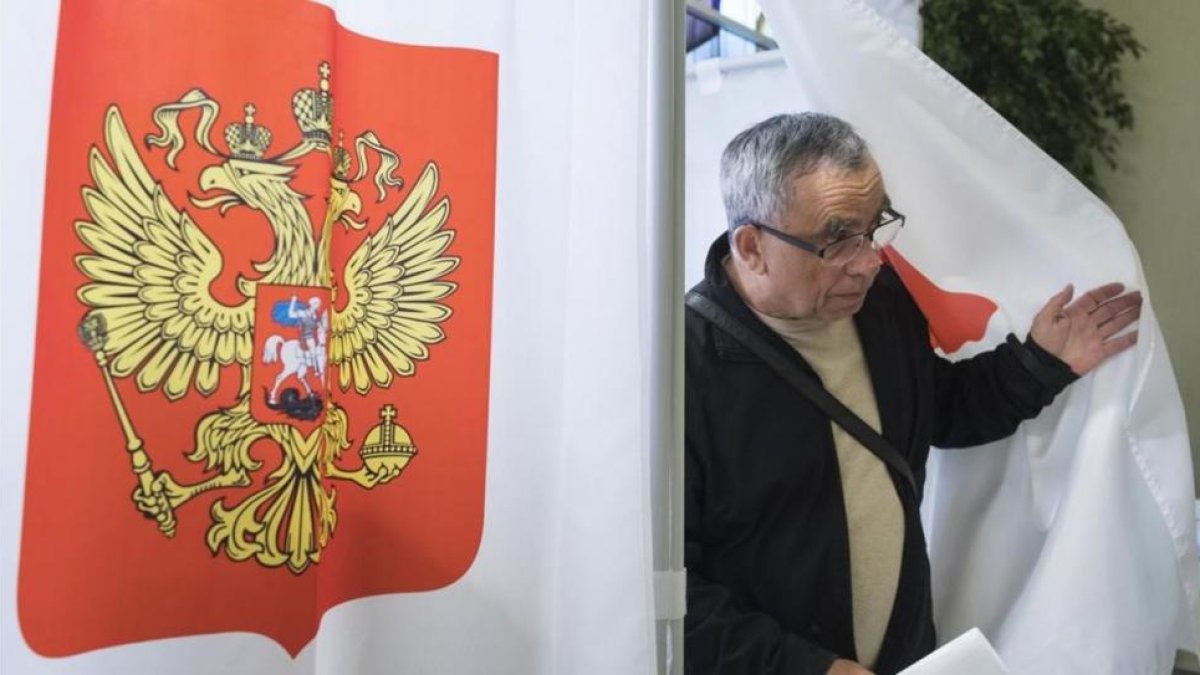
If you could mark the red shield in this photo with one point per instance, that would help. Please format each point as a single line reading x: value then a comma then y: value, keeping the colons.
x: 263, y: 325
x: 289, y: 378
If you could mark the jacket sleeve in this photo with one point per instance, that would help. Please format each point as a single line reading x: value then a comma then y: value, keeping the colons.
x: 985, y: 398
x: 723, y: 635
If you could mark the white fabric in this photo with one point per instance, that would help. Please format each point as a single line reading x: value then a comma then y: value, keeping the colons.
x: 562, y: 581
x: 1071, y: 544
x: 903, y: 15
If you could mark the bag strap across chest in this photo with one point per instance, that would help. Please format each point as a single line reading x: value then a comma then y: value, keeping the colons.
x: 805, y: 383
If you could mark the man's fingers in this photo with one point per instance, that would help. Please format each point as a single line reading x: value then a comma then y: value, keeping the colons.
x: 1101, y: 294
x: 1089, y: 301
x: 1120, y: 344
x: 1116, y: 306
x: 1120, y: 321
x: 1054, y: 306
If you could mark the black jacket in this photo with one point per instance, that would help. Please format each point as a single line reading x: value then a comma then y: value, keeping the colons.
x: 767, y: 548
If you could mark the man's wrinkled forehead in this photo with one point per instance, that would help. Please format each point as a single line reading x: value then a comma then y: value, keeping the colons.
x: 835, y: 200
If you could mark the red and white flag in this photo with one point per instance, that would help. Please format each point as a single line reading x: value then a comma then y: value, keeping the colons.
x: 322, y: 338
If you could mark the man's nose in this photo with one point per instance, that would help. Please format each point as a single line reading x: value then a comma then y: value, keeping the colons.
x: 868, y: 260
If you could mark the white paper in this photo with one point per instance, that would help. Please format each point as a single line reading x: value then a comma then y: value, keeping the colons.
x: 968, y: 653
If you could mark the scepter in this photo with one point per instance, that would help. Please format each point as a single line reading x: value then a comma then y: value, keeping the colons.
x: 93, y: 332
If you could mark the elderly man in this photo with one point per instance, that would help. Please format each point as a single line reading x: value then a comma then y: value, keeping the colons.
x: 805, y: 551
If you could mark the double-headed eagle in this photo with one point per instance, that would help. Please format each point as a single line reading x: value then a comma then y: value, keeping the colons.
x: 154, y: 318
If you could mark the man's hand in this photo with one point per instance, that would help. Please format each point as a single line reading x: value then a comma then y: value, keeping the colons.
x: 1081, y: 333
x: 844, y: 667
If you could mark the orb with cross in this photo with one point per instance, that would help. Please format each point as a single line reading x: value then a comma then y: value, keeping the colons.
x: 388, y: 447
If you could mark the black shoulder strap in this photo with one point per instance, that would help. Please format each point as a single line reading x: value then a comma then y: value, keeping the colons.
x: 805, y: 384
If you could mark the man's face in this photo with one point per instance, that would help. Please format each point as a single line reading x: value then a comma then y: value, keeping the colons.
x: 830, y: 203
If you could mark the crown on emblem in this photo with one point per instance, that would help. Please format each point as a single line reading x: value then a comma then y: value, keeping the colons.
x: 313, y: 109
x: 247, y: 140
x: 341, y: 160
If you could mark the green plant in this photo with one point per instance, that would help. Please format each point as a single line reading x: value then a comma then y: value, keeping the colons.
x: 1051, y: 67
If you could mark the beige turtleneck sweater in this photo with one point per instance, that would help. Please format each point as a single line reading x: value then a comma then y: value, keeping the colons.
x: 873, y: 512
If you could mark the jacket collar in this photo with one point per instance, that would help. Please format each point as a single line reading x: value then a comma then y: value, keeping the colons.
x: 719, y: 288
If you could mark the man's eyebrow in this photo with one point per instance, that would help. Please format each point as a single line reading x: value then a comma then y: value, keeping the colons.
x: 838, y: 226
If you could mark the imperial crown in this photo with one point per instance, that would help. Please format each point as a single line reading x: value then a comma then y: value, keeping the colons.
x: 313, y: 110
x: 247, y: 140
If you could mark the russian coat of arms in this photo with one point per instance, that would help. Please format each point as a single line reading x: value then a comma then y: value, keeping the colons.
x: 296, y: 330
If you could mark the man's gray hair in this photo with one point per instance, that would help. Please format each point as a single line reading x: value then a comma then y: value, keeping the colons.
x: 760, y: 164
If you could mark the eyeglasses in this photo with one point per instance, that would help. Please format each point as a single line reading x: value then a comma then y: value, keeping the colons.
x: 845, y: 249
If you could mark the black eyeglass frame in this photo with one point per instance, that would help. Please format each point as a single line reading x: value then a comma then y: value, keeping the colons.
x: 887, y: 217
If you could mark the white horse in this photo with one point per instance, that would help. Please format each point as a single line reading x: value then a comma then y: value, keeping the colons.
x: 296, y: 360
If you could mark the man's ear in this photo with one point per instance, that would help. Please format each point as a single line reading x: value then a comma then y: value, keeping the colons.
x: 746, y: 245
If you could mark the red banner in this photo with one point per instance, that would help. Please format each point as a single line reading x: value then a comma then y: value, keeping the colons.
x: 261, y: 372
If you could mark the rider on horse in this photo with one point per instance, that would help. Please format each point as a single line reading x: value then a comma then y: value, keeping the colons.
x: 308, y: 320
